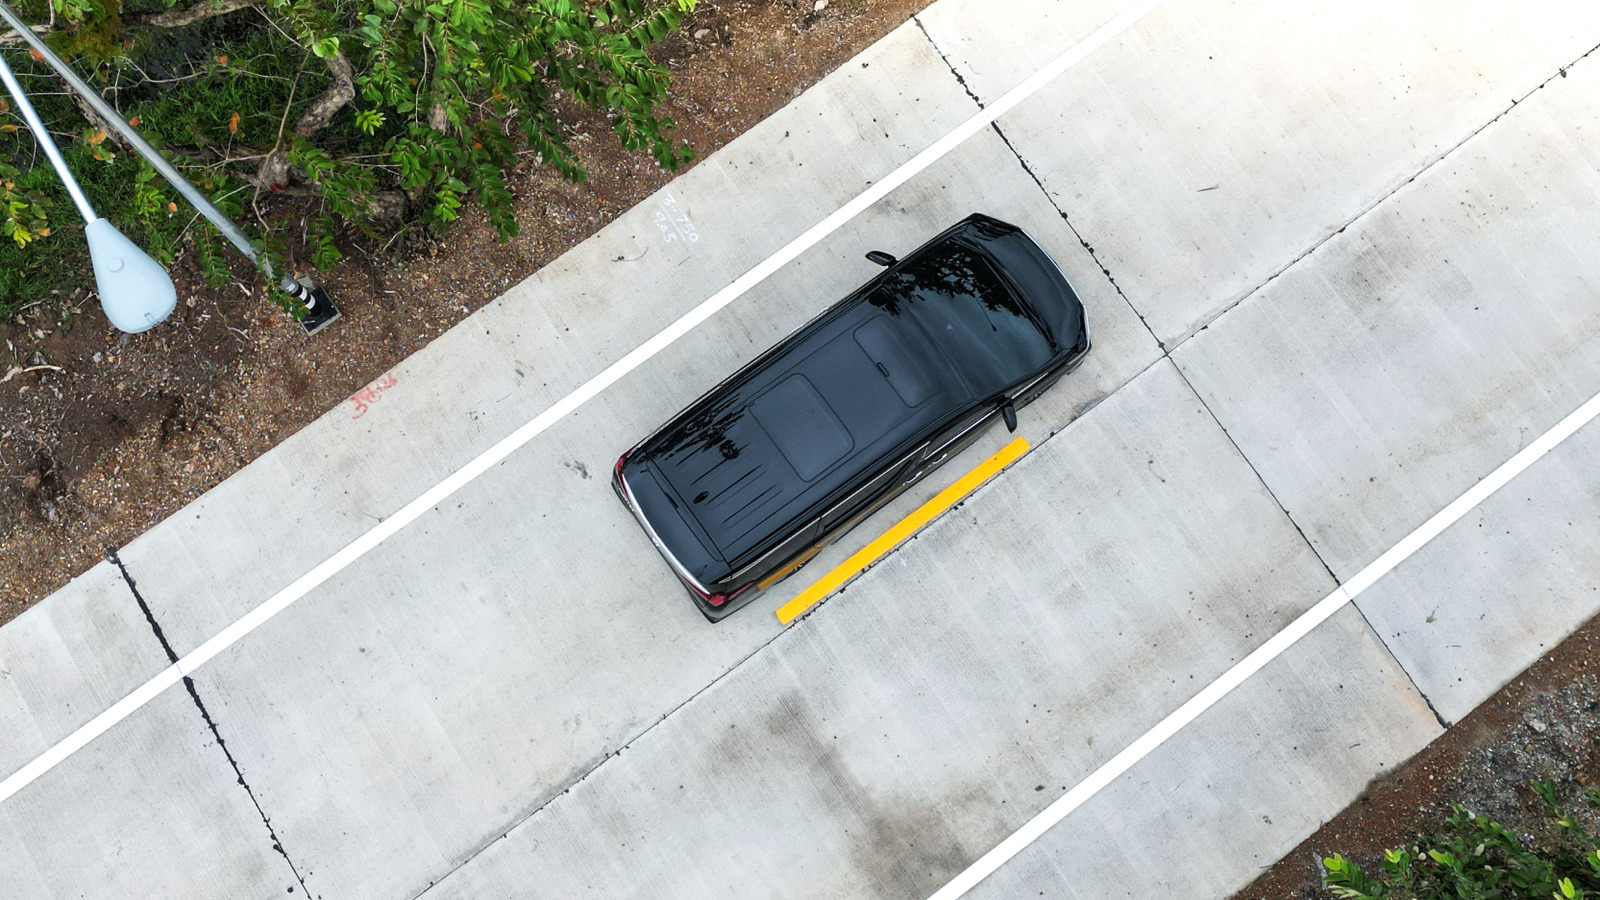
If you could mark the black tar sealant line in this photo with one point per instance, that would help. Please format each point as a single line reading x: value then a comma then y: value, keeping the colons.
x: 194, y: 694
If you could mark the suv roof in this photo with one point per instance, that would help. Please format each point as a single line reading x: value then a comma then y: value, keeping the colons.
x: 777, y: 437
x: 797, y: 427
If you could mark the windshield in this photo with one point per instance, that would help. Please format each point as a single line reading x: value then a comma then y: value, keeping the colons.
x: 969, y: 314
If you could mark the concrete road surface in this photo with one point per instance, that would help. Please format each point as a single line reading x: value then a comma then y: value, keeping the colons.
x: 1339, y: 263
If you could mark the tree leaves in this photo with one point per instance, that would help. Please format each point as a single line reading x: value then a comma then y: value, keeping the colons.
x: 486, y: 68
x: 25, y: 211
x: 453, y: 94
x: 1347, y: 881
x: 1477, y: 858
x: 324, y: 254
x: 369, y: 120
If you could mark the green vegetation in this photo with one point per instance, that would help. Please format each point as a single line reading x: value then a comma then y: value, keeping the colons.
x: 365, y: 114
x: 1476, y: 858
x: 55, y: 257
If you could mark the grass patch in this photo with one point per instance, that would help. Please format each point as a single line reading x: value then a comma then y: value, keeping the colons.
x: 50, y: 268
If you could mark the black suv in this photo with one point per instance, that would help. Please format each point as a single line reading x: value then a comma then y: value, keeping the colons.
x: 794, y: 449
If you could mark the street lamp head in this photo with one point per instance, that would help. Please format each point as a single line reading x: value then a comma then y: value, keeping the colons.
x: 135, y: 291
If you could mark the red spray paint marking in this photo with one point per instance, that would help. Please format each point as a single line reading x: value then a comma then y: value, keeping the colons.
x: 372, y: 393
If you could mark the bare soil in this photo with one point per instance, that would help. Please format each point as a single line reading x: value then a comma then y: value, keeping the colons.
x: 103, y: 435
x: 1543, y: 725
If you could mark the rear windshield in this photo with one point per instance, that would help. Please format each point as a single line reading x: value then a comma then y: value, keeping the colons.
x: 969, y: 314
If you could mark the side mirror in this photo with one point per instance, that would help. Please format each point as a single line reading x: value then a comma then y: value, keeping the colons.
x: 881, y: 258
x: 1009, y: 412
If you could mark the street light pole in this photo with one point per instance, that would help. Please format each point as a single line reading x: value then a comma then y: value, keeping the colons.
x: 135, y: 291
x: 320, y: 310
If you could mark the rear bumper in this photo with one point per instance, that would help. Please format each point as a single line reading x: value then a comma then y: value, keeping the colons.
x: 693, y: 588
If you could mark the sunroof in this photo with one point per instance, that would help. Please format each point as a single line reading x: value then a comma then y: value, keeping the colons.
x: 888, y: 353
x: 805, y: 429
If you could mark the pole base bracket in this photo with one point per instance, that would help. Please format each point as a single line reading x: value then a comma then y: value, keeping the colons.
x: 320, y: 311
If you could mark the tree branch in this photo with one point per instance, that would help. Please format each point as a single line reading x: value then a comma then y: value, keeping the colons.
x: 325, y: 107
x: 172, y: 18
x: 94, y: 118
x: 274, y: 172
x: 11, y: 38
x: 205, y: 9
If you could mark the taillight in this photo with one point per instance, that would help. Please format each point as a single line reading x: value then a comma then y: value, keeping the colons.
x: 623, y: 459
x: 720, y: 599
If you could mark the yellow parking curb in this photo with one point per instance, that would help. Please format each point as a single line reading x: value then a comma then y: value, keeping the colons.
x: 903, y: 529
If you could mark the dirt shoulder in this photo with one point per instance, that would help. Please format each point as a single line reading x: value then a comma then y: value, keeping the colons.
x: 1545, y: 724
x: 103, y: 435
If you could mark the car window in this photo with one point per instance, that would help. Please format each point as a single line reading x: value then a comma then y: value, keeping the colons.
x: 954, y: 295
x: 804, y: 427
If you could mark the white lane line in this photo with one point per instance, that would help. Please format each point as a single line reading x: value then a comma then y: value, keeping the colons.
x: 610, y: 375
x: 1267, y: 652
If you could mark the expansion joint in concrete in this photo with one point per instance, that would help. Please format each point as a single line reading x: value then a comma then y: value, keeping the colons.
x: 1443, y: 722
x: 1167, y: 351
x: 1561, y: 72
x: 960, y: 79
x: 1288, y: 517
x: 609, y: 755
x: 216, y: 734
x: 1022, y: 161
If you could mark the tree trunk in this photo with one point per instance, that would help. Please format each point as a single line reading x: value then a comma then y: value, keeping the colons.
x: 205, y: 9
x: 274, y: 171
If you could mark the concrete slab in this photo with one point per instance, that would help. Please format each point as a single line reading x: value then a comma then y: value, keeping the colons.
x: 901, y: 729
x: 421, y: 703
x: 1492, y: 594
x: 64, y: 661
x: 155, y: 811
x: 979, y: 38
x: 1391, y: 370
x: 1242, y: 785
x: 1217, y: 141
